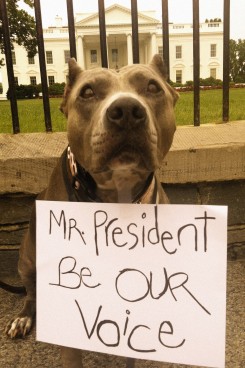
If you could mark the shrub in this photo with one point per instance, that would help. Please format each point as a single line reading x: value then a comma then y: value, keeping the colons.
x: 24, y: 91
x: 210, y: 82
x: 56, y: 89
x: 239, y: 79
x: 31, y: 91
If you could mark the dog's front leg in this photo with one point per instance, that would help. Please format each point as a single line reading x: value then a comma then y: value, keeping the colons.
x: 21, y: 325
x: 71, y: 358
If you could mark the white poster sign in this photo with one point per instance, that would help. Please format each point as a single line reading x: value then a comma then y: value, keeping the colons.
x: 141, y: 281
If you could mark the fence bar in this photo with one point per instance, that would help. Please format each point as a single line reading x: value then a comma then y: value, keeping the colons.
x: 226, y: 56
x: 196, y: 62
x: 165, y: 36
x: 9, y: 62
x: 103, y: 45
x: 43, y: 72
x: 135, y: 31
x: 71, y: 28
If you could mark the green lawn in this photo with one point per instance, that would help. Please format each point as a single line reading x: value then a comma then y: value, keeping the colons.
x: 32, y: 119
x: 210, y: 106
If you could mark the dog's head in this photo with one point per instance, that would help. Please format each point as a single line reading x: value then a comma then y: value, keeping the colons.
x: 119, y: 120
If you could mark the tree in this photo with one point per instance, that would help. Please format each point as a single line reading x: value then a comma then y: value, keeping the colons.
x: 22, y: 28
x: 237, y: 61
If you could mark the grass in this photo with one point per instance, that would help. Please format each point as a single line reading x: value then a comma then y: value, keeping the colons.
x: 32, y: 118
x: 210, y: 106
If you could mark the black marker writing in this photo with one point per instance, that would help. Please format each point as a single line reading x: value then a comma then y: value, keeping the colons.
x: 100, y: 327
x: 128, y: 276
x: 69, y: 278
x: 110, y: 232
x: 62, y: 223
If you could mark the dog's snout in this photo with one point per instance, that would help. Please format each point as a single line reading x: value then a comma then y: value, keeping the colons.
x: 126, y: 113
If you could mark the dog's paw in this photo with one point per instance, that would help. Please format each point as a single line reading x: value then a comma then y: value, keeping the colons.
x: 19, y: 327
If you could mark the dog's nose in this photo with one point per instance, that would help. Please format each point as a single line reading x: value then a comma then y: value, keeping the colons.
x: 126, y: 113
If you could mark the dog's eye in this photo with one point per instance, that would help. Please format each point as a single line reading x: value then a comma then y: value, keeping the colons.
x: 153, y: 87
x: 87, y: 92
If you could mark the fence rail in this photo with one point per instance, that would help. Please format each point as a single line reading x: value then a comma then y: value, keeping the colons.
x: 103, y: 47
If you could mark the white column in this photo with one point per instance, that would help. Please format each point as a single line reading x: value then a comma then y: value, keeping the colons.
x: 80, y: 52
x: 146, y: 53
x: 5, y: 82
x: 129, y: 49
x: 108, y: 51
x: 153, y: 44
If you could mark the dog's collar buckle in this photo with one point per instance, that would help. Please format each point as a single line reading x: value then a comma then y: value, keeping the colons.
x: 82, y: 182
x: 73, y: 167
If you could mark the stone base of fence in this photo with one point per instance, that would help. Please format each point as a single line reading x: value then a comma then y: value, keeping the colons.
x: 206, y: 165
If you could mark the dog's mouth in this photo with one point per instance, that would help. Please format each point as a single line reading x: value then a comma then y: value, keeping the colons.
x: 112, y: 152
x: 125, y: 157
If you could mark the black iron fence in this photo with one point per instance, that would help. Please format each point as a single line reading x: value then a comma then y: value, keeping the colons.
x: 103, y: 47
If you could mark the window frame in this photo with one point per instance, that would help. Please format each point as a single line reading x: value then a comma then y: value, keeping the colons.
x: 49, y: 57
x: 178, y: 51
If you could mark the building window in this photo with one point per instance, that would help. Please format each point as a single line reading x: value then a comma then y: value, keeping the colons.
x: 51, y: 80
x: 33, y: 81
x: 67, y: 56
x: 114, y: 55
x: 160, y: 51
x: 213, y: 73
x: 178, y: 52
x: 49, y: 57
x: 179, y: 76
x: 213, y: 50
x: 16, y: 82
x: 13, y: 57
x: 93, y: 56
x: 31, y: 60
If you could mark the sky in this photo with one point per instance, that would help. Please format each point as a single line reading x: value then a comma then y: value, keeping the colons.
x: 180, y: 11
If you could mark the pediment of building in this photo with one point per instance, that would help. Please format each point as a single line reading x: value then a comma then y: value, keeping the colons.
x: 32, y: 71
x: 179, y: 65
x: 114, y: 15
x: 49, y: 70
x: 214, y: 63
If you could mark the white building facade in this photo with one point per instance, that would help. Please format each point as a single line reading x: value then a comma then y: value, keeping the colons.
x: 119, y: 47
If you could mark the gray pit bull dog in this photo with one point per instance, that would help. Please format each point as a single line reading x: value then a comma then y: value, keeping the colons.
x: 120, y: 127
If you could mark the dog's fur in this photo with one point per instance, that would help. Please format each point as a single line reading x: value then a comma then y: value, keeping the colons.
x: 120, y: 127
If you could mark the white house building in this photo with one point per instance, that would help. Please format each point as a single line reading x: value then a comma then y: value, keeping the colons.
x: 119, y: 47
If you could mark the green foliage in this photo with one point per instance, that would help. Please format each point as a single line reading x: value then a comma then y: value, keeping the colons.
x: 203, y: 82
x: 237, y: 61
x: 56, y: 89
x: 22, y: 28
x: 213, y: 20
x: 24, y: 91
x: 32, y: 91
x: 1, y: 88
x: 210, y: 82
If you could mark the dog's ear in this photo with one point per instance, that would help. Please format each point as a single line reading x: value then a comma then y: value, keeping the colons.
x: 74, y: 71
x: 158, y: 64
